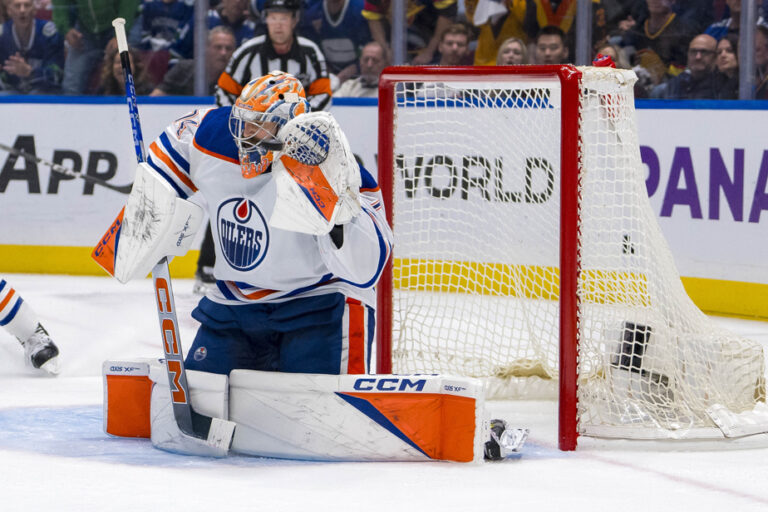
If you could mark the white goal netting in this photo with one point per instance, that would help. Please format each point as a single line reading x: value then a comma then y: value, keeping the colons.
x: 476, y: 215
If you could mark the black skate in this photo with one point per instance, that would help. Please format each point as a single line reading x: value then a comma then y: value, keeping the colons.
x: 41, y: 352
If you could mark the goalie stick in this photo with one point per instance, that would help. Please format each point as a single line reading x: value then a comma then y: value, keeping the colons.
x: 123, y: 189
x: 215, y: 432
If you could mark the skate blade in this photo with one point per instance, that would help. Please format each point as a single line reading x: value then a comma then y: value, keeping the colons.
x: 52, y: 366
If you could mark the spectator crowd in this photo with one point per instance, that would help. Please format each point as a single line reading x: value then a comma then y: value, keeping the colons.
x: 680, y: 49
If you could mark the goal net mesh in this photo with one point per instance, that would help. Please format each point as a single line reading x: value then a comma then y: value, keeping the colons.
x: 476, y: 216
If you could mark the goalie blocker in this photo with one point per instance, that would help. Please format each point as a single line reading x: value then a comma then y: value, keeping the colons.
x: 154, y: 224
x: 312, y: 416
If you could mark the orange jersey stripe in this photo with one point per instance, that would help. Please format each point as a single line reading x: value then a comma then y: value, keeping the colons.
x: 370, y: 189
x: 7, y: 298
x: 172, y: 166
x: 254, y: 295
x: 228, y: 84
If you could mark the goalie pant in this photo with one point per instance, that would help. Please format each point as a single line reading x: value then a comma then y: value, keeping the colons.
x: 269, y: 279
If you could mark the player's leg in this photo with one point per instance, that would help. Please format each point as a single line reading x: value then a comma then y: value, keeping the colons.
x: 221, y: 345
x: 18, y: 318
x: 330, y: 334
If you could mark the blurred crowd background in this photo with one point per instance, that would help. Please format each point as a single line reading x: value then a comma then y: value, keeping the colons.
x: 680, y: 49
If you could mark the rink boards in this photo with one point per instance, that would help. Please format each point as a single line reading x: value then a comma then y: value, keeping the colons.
x: 707, y: 179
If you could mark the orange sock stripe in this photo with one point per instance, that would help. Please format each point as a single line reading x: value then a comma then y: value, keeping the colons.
x: 7, y: 298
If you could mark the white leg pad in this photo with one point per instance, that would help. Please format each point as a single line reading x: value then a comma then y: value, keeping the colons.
x: 357, y: 417
x: 208, y: 396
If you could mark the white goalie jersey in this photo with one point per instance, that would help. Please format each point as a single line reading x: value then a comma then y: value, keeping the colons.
x: 256, y: 261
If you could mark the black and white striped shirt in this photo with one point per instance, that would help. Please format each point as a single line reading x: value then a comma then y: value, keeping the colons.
x: 257, y: 57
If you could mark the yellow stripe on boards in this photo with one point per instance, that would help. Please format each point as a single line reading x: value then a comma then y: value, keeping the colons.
x: 476, y: 278
x: 41, y: 259
x: 611, y: 287
x: 729, y: 298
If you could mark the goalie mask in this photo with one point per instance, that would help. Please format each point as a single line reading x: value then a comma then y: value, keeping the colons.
x: 263, y: 107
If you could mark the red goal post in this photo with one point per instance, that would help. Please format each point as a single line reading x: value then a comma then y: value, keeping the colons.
x: 602, y: 313
x: 569, y: 78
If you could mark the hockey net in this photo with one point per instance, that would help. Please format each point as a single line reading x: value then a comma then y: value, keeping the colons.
x: 526, y: 253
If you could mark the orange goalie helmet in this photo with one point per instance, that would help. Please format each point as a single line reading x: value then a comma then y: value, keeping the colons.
x: 264, y: 106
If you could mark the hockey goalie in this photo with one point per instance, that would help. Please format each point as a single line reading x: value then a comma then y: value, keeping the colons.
x: 284, y: 344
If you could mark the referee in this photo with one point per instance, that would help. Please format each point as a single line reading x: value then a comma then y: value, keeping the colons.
x: 279, y: 49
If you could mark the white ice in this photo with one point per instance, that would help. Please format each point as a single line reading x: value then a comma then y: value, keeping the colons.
x: 54, y: 455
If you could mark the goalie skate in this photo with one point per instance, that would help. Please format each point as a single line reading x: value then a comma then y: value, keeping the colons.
x: 505, y: 442
x: 41, y: 352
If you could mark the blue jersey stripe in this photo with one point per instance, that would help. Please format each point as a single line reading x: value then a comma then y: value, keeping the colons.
x: 167, y: 178
x: 168, y: 147
x: 244, y: 289
x: 222, y: 286
x: 326, y: 279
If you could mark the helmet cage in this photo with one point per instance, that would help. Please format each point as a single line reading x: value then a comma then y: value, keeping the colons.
x: 267, y: 104
x: 279, y: 113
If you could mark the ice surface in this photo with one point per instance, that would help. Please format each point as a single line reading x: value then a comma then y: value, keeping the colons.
x: 55, y: 456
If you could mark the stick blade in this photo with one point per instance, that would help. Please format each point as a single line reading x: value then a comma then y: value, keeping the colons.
x: 220, y: 434
x: 104, y: 252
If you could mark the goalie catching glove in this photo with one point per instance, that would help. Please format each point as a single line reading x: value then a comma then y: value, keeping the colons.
x: 317, y: 177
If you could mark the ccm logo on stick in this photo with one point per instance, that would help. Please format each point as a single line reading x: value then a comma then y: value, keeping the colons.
x: 390, y: 384
x: 171, y: 342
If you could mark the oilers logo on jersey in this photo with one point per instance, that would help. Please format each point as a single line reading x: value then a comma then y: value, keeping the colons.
x: 243, y: 233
